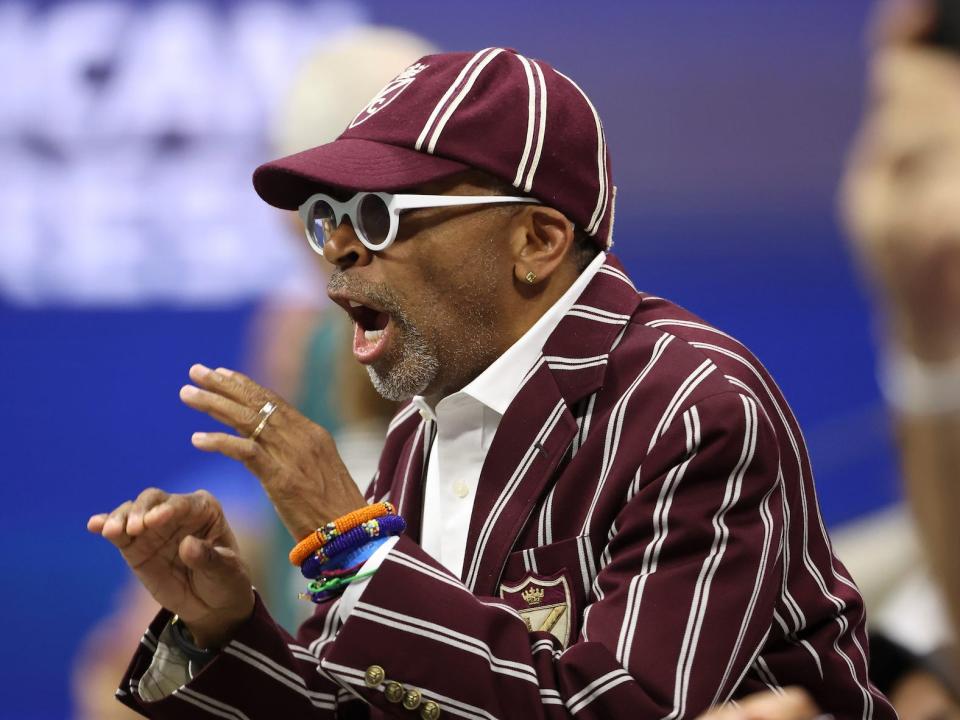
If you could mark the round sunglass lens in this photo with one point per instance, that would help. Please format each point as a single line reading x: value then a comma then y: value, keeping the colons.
x: 320, y: 223
x: 374, y: 219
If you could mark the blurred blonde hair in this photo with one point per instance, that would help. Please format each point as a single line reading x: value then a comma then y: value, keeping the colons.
x: 336, y: 82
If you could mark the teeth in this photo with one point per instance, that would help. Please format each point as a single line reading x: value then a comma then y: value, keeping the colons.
x: 372, y: 335
x: 354, y: 303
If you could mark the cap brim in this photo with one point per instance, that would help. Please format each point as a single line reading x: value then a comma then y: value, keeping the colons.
x: 350, y: 165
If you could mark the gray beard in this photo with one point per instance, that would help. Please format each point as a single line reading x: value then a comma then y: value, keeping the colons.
x: 412, y: 373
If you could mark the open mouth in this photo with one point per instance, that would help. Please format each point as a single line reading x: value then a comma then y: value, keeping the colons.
x: 372, y: 330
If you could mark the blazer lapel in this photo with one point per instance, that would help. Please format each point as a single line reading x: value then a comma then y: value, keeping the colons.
x: 407, y: 492
x: 529, y: 444
x: 538, y: 427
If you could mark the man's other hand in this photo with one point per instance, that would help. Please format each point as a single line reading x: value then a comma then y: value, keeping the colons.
x: 182, y: 550
x: 295, y: 459
x: 788, y: 704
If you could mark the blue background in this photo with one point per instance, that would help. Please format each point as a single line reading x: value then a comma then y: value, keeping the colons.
x: 727, y: 123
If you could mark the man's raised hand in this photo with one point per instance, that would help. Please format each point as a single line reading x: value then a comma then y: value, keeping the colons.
x: 182, y: 550
x: 294, y: 459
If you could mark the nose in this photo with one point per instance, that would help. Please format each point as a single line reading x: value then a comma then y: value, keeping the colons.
x: 344, y: 249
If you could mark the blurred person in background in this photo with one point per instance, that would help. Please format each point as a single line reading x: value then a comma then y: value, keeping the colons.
x: 298, y: 342
x: 901, y: 202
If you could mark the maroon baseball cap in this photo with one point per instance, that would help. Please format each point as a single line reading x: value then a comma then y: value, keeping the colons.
x: 495, y: 110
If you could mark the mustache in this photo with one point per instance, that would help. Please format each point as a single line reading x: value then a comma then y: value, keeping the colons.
x: 377, y: 293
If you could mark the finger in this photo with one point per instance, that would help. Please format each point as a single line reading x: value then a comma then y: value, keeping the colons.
x: 249, y: 394
x: 240, y: 417
x: 115, y: 526
x: 187, y: 510
x: 248, y: 387
x: 95, y: 523
x: 247, y: 451
x: 146, y: 500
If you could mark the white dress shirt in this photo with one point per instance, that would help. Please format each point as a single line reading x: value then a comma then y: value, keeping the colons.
x: 466, y: 424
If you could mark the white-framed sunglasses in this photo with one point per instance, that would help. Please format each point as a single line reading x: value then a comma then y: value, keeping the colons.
x: 375, y: 216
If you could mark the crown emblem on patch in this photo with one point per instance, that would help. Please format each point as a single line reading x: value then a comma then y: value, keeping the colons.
x: 532, y: 595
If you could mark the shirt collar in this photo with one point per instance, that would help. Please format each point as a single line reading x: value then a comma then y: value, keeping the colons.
x: 500, y: 382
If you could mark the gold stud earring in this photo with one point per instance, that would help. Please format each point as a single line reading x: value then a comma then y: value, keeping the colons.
x: 530, y: 277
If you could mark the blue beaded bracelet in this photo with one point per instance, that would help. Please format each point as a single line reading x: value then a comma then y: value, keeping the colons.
x: 360, y: 535
x: 312, y: 567
x: 351, y: 541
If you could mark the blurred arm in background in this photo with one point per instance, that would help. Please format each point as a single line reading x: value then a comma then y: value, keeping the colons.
x: 901, y: 202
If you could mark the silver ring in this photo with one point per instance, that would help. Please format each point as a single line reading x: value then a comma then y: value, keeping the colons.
x: 268, y: 409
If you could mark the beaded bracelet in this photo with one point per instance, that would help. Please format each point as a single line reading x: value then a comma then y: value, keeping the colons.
x: 343, y: 563
x: 322, y: 535
x: 361, y: 535
x: 318, y: 592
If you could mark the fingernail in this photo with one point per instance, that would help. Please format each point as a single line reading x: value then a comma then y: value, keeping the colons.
x: 189, y: 391
x: 201, y: 369
x: 198, y: 437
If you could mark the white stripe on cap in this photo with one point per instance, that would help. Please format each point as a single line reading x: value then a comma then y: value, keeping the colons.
x: 460, y: 98
x: 446, y: 97
x: 543, y: 126
x: 531, y: 120
x: 603, y: 196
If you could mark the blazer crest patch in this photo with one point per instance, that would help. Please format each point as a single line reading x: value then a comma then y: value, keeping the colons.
x: 544, y: 603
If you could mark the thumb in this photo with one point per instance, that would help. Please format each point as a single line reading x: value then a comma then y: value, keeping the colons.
x: 215, y: 561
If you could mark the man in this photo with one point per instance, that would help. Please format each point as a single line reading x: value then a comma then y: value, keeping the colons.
x: 610, y: 510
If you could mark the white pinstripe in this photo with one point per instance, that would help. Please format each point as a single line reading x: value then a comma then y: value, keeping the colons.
x: 767, y: 519
x: 531, y: 120
x: 615, y: 427
x: 679, y: 397
x: 651, y: 554
x: 541, y: 129
x: 400, y: 418
x: 401, y: 508
x: 284, y: 676
x: 450, y: 705
x: 701, y: 593
x: 807, y: 560
x: 610, y: 270
x: 446, y: 636
x: 603, y: 195
x: 204, y: 702
x: 578, y: 701
x: 446, y: 96
x: 452, y: 107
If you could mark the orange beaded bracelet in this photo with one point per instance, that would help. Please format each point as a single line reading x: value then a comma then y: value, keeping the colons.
x: 321, y: 536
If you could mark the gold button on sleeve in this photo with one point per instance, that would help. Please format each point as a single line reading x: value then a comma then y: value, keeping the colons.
x: 430, y: 710
x: 394, y: 691
x: 374, y: 676
x: 412, y: 699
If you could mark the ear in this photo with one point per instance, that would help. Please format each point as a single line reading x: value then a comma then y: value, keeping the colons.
x: 540, y: 243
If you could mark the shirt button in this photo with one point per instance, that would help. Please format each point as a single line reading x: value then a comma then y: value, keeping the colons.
x: 460, y: 489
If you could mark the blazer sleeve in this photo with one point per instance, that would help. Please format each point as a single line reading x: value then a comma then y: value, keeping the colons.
x: 263, y: 672
x: 681, y: 604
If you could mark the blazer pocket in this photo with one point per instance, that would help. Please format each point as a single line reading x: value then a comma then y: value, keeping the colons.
x: 546, y: 585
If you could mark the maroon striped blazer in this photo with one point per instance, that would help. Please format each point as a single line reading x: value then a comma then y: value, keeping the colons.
x: 650, y: 480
